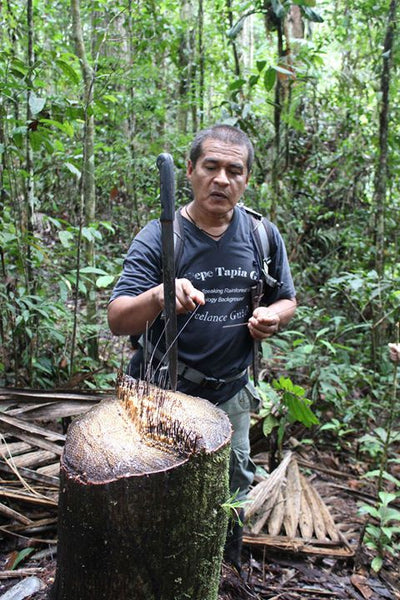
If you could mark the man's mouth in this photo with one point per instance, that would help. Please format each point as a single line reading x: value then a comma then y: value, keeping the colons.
x: 217, y: 194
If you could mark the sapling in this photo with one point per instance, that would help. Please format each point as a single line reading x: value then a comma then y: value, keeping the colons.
x: 382, y: 537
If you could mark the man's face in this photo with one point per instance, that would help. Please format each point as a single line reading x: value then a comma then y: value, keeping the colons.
x: 219, y: 177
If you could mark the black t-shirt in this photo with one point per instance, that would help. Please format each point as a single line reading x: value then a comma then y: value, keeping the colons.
x: 224, y: 271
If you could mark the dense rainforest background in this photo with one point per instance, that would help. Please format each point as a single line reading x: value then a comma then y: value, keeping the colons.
x: 92, y: 92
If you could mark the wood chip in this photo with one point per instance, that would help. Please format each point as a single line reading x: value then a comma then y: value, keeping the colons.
x: 292, y: 495
x: 305, y: 518
x: 13, y: 514
x: 13, y: 449
x: 276, y: 517
x: 317, y: 519
x: 36, y: 458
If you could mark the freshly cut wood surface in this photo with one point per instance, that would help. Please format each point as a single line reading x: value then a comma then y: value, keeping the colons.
x: 144, y: 430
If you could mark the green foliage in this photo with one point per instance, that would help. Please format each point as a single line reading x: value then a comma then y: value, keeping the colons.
x: 382, y: 536
x: 233, y: 506
x: 283, y: 403
x: 21, y: 555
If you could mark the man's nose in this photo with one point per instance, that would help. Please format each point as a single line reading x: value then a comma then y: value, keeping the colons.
x: 222, y: 177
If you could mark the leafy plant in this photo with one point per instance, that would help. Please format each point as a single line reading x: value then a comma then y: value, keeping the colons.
x: 233, y: 506
x: 340, y: 428
x: 374, y: 443
x: 284, y: 403
x: 383, y: 535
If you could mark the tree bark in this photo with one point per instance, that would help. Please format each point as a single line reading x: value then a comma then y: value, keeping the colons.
x: 143, y: 477
x: 381, y: 170
x: 381, y: 173
x: 88, y: 171
x: 200, y: 46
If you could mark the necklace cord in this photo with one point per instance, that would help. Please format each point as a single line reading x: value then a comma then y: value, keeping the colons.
x: 200, y: 228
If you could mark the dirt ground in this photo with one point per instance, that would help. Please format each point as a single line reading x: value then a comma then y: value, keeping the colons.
x: 337, y: 475
x: 286, y: 575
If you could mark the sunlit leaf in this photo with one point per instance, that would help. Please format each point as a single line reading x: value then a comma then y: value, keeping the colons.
x: 36, y: 104
x: 104, y: 281
x: 73, y: 169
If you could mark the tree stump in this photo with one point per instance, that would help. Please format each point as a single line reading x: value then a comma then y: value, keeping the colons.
x: 143, y: 477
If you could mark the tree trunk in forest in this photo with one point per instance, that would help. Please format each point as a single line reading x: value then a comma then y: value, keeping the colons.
x: 234, y: 47
x: 381, y: 169
x: 29, y: 190
x: 131, y: 122
x: 381, y: 172
x: 200, y: 46
x: 143, y: 478
x: 277, y: 128
x: 186, y: 63
x: 88, y: 177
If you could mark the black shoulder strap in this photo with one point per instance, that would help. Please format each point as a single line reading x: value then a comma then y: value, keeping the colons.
x: 261, y: 230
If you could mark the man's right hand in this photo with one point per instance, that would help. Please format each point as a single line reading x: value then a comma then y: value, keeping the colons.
x: 187, y: 296
x: 129, y: 315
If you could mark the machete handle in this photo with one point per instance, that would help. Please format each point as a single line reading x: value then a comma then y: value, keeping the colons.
x: 165, y: 164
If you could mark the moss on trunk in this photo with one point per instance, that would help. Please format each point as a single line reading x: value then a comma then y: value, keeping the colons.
x: 143, y: 478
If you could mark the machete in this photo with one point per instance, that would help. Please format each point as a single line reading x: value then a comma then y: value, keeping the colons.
x: 165, y: 165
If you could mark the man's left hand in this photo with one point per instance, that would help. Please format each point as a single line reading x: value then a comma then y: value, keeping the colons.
x: 263, y: 323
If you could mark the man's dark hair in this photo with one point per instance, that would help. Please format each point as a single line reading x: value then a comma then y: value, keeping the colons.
x: 223, y: 133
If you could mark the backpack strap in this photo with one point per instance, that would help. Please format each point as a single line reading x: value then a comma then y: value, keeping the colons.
x: 261, y: 230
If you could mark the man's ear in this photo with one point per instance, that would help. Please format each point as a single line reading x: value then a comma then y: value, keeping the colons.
x: 189, y: 168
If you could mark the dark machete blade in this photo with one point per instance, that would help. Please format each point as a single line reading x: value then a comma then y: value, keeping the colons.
x: 165, y: 165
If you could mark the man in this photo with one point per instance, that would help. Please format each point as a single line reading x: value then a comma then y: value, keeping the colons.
x: 219, y: 265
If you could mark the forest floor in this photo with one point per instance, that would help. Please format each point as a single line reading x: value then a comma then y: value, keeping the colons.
x: 267, y: 573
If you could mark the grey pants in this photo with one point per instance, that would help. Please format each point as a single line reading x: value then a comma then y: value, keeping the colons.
x: 241, y: 468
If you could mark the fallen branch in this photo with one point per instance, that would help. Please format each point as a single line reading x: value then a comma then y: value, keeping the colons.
x: 298, y: 545
x: 11, y: 574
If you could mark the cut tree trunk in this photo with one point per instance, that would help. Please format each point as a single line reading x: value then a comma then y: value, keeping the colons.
x: 143, y: 478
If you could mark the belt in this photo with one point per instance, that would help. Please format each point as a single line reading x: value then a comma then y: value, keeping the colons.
x: 193, y: 375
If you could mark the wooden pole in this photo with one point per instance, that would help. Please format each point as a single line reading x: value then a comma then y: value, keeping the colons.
x: 143, y: 477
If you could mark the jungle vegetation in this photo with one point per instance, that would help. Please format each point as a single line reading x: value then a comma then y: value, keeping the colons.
x: 92, y: 92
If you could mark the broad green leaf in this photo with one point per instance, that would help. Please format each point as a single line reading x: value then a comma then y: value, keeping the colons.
x: 19, y: 68
x: 65, y: 127
x: 253, y: 80
x: 104, y: 281
x: 107, y: 225
x: 260, y: 64
x: 370, y: 510
x: 236, y: 85
x: 68, y: 71
x: 377, y: 564
x: 269, y: 79
x: 387, y: 497
x: 328, y: 345
x: 268, y: 424
x: 36, y: 104
x: 93, y: 271
x: 65, y: 238
x: 111, y: 98
x: 91, y: 234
